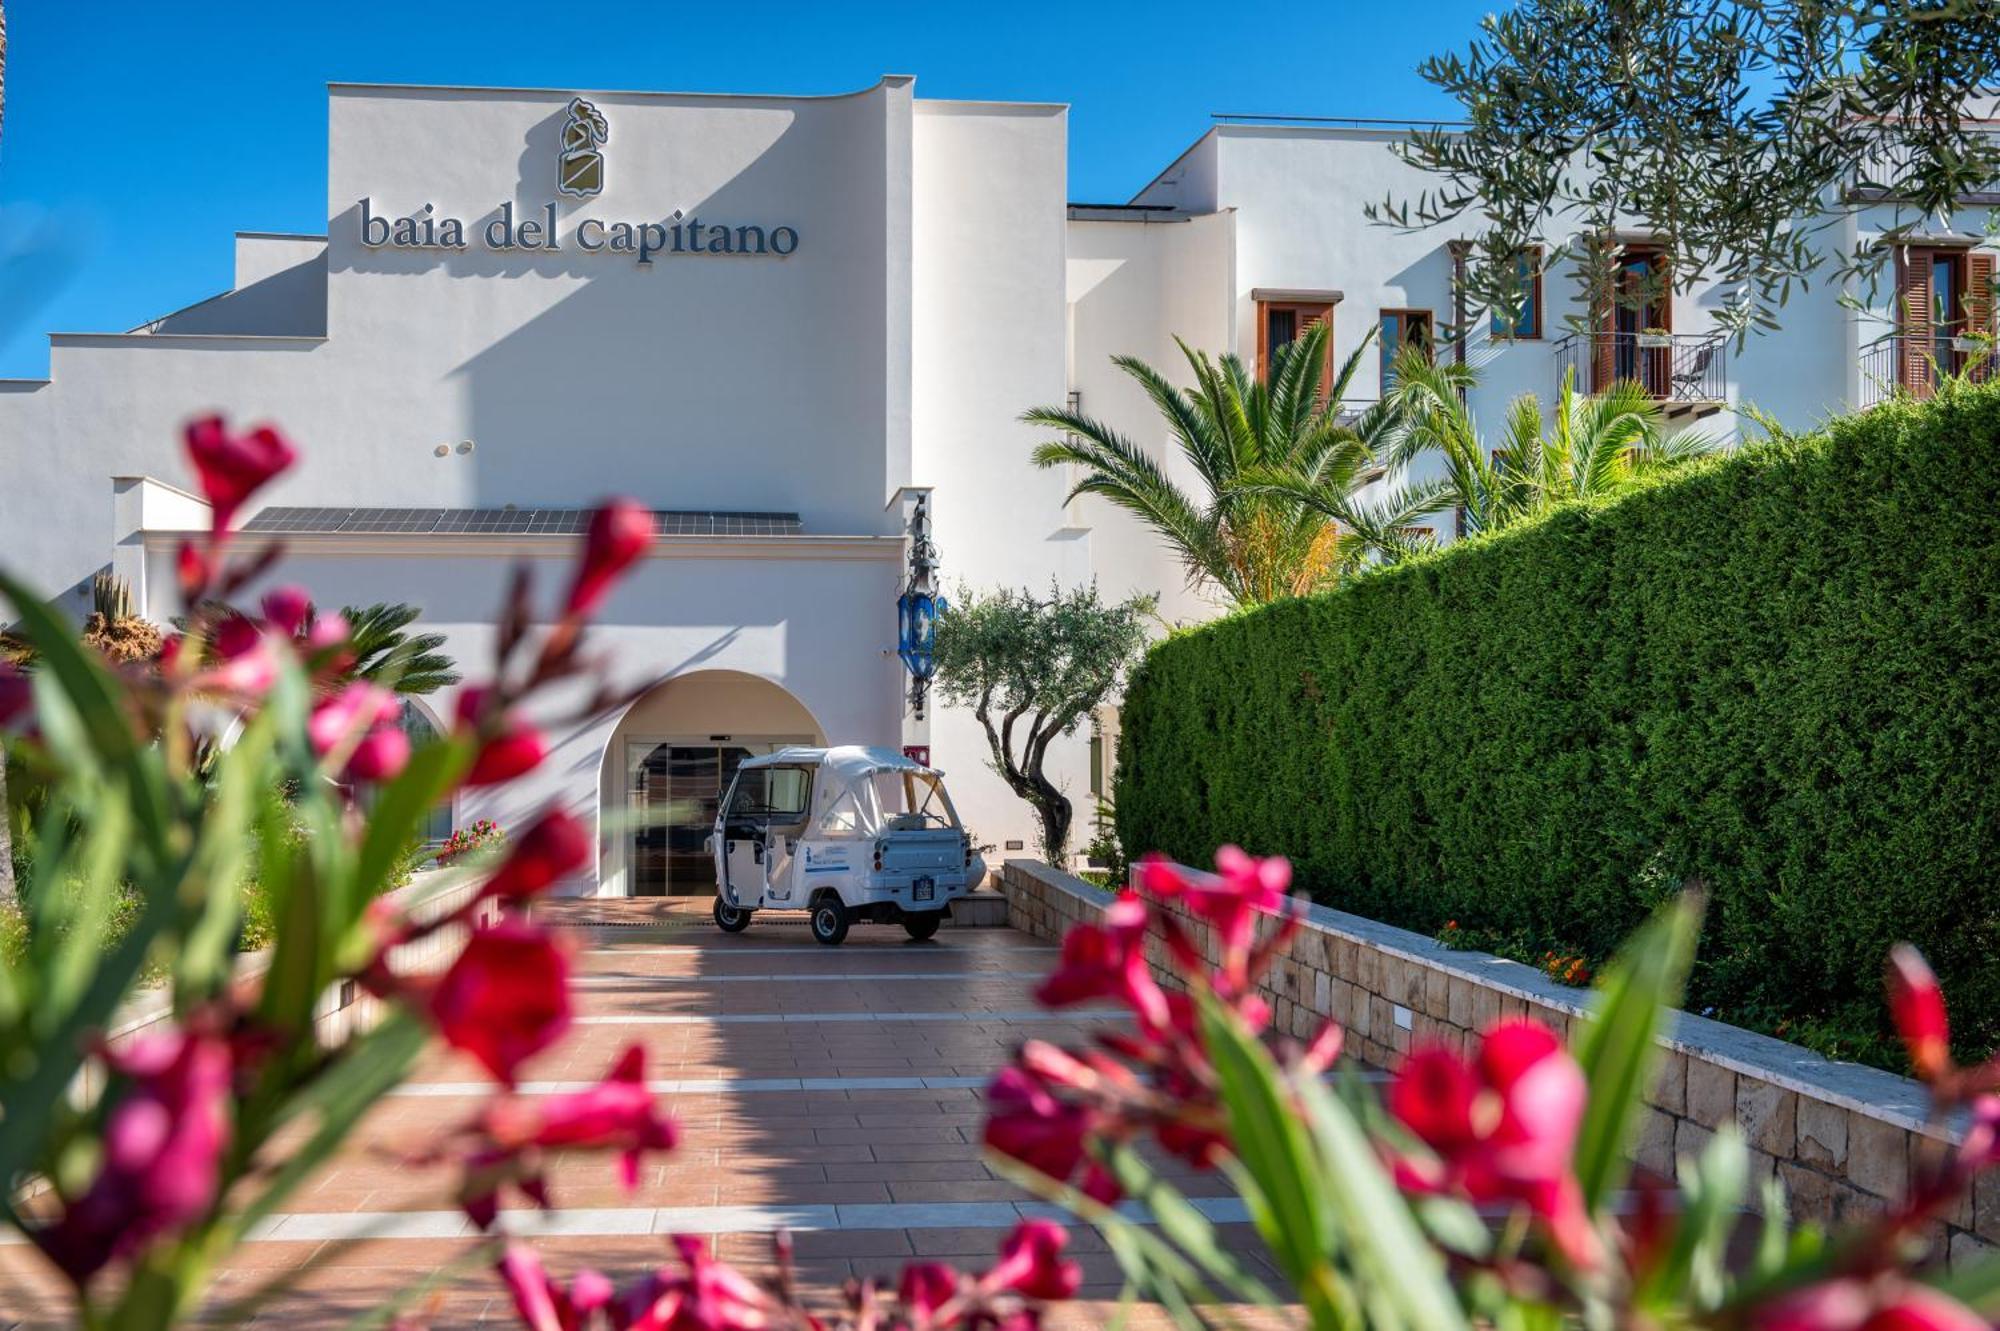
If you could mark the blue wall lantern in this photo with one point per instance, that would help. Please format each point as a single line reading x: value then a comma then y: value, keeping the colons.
x: 918, y: 608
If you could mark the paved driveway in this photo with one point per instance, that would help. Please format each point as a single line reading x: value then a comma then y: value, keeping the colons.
x: 833, y: 1091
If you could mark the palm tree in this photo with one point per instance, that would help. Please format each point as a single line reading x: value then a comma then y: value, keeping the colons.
x: 1597, y: 444
x: 1256, y: 545
x: 385, y: 654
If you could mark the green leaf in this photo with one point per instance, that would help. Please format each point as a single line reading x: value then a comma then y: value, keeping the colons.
x: 1712, y: 1187
x: 368, y: 1069
x: 1185, y: 1227
x: 433, y: 771
x: 1273, y: 1147
x: 1620, y: 1050
x: 1387, y: 1250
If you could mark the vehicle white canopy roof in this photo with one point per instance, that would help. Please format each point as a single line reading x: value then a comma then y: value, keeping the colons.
x: 847, y: 763
x: 864, y: 791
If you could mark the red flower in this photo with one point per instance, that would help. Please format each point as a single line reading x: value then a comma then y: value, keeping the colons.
x: 554, y: 846
x: 248, y: 663
x: 1243, y: 888
x: 1852, y: 1304
x: 713, y: 1296
x: 509, y: 746
x: 619, y: 1112
x: 1503, y: 1126
x: 541, y: 1303
x: 1025, y: 1122
x: 1109, y: 961
x: 1917, y: 1004
x: 163, y: 1143
x: 191, y: 572
x: 505, y: 998
x: 1031, y: 1262
x: 232, y: 467
x: 365, y: 717
x: 17, y: 694
x: 286, y: 609
x: 620, y: 532
x: 925, y: 1288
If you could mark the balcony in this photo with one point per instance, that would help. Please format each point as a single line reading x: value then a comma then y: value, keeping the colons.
x: 1884, y: 371
x: 1687, y: 373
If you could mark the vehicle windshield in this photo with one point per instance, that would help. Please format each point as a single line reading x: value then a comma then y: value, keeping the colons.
x: 778, y: 794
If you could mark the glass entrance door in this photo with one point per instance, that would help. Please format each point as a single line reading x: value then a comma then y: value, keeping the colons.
x: 675, y: 792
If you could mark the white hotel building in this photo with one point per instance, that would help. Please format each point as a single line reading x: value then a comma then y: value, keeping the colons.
x: 779, y: 321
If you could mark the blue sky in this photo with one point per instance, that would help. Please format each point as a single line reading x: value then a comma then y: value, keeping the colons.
x: 140, y: 134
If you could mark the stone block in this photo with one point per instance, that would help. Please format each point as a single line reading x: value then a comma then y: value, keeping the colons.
x: 1986, y: 1206
x: 1412, y: 992
x: 1485, y: 1007
x: 1878, y: 1156
x: 1382, y: 1021
x: 1669, y: 1090
x: 1654, y: 1148
x: 1822, y: 1134
x: 1459, y: 1003
x: 1711, y: 1093
x: 1346, y: 959
x: 1361, y: 1011
x: 1322, y: 996
x: 1437, y: 992
x: 1368, y: 968
x: 1967, y: 1249
x: 1808, y: 1192
x: 1768, y: 1115
x: 1512, y: 1008
x: 1690, y: 1139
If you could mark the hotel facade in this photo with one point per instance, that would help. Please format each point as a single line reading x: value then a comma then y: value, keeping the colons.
x: 798, y: 328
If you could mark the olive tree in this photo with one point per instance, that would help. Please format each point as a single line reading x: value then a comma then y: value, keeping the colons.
x: 1032, y: 668
x: 1742, y: 132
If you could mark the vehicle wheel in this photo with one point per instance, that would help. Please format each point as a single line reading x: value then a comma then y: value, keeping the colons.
x: 922, y: 925
x: 829, y: 921
x: 730, y: 919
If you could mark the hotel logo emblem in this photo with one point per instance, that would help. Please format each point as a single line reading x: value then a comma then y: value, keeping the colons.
x: 580, y: 169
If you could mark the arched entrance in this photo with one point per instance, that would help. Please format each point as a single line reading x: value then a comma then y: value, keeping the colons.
x: 670, y: 759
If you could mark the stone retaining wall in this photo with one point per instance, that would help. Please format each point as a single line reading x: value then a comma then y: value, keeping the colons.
x: 1840, y: 1137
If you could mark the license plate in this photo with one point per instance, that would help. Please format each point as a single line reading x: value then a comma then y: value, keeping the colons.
x: 924, y: 889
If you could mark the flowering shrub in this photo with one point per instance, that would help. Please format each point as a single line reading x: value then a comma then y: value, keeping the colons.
x: 482, y: 834
x: 1491, y: 1188
x: 154, y: 1178
x: 1566, y: 968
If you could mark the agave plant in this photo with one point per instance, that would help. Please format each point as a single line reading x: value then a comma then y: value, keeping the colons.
x: 1249, y: 442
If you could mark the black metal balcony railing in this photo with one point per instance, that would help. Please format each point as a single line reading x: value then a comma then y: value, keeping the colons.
x: 1885, y: 369
x: 1685, y: 371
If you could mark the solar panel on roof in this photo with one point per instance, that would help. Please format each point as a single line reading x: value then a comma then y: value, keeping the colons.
x: 509, y: 521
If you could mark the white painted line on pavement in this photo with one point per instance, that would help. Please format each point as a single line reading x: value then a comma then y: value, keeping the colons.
x: 809, y: 1018
x: 832, y: 978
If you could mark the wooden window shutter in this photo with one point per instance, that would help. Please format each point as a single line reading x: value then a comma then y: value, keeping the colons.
x: 1914, y: 299
x: 1979, y: 294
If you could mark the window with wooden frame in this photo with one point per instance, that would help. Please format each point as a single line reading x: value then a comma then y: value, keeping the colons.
x: 1405, y: 328
x: 1283, y: 322
x: 1640, y: 303
x: 1944, y: 300
x: 1526, y: 326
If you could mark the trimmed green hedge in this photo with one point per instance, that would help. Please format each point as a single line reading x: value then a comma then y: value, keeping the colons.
x: 1778, y: 674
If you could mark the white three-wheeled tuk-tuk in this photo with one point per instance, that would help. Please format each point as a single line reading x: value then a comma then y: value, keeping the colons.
x: 848, y: 833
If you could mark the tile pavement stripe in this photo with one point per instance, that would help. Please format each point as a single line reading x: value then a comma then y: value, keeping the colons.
x: 614, y: 1221
x: 804, y: 953
x: 771, y: 1018
x: 835, y: 977
x: 704, y: 1085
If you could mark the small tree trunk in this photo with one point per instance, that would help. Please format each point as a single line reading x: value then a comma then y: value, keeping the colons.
x: 1056, y: 814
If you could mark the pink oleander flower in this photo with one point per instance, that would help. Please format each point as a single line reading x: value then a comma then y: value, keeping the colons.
x: 514, y: 749
x: 287, y: 608
x: 505, y: 998
x: 1109, y: 961
x: 541, y: 1303
x: 191, y: 572
x: 1244, y: 889
x: 231, y: 467
x: 1031, y: 1263
x: 246, y: 664
x: 620, y: 532
x: 17, y: 693
x: 1503, y: 1126
x: 1887, y: 1303
x: 1026, y: 1122
x: 712, y: 1296
x: 1916, y: 1002
x: 163, y: 1145
x: 366, y: 717
x: 554, y: 846
x: 925, y: 1289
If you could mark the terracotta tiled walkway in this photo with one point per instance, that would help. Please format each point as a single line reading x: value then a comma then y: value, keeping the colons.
x: 831, y: 1090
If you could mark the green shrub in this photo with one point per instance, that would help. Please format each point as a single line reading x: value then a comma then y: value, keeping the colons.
x: 1777, y: 674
